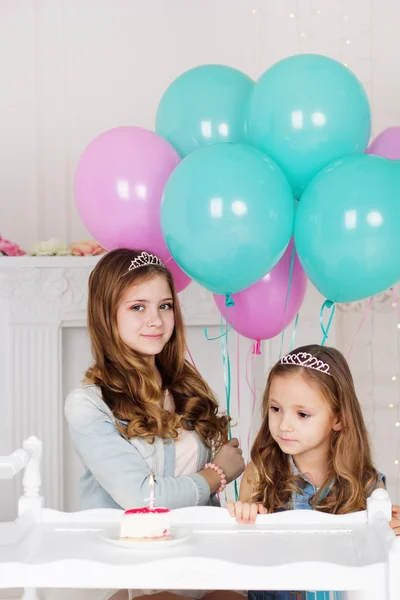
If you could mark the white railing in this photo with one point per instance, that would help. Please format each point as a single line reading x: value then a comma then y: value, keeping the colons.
x: 29, y: 458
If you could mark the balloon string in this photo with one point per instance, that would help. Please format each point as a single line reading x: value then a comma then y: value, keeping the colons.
x: 227, y: 370
x: 217, y: 337
x: 296, y: 321
x: 238, y: 383
x: 253, y: 408
x: 287, y: 299
x: 190, y: 356
x: 227, y: 382
x: 365, y: 315
x: 228, y: 304
x: 253, y: 391
x: 247, y: 368
x: 325, y: 331
x: 226, y: 365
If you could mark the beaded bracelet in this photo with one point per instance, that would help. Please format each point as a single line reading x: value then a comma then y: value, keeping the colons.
x: 221, y: 474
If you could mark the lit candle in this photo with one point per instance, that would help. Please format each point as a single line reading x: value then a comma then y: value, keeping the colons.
x: 151, y: 484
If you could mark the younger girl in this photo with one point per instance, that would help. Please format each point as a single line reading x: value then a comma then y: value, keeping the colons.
x: 143, y: 409
x: 312, y: 451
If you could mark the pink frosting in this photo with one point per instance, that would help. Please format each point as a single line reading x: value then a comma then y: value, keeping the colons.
x: 146, y: 510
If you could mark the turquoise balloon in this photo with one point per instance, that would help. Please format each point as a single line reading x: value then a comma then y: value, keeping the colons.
x: 306, y: 112
x: 347, y: 228
x: 203, y: 106
x: 227, y: 216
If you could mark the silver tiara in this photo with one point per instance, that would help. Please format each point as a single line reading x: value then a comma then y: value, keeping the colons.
x: 305, y: 359
x: 145, y: 259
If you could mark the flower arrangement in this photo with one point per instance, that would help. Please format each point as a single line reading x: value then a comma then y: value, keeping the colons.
x: 8, y: 248
x: 86, y: 248
x: 52, y: 247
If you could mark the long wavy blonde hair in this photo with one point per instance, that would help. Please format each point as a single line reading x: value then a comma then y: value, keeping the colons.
x: 128, y: 382
x: 349, y: 466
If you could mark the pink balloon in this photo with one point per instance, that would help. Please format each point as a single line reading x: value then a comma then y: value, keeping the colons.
x: 119, y: 183
x: 386, y: 144
x: 259, y: 310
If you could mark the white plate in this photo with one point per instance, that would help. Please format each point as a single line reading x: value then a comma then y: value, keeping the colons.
x: 177, y: 536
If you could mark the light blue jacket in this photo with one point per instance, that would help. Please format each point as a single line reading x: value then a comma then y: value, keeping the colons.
x: 117, y: 470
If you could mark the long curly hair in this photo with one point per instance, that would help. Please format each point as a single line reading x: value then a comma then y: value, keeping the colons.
x: 128, y: 382
x: 350, y: 465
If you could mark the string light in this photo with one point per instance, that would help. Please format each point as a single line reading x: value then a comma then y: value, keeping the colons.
x: 344, y: 39
x: 297, y: 14
x: 394, y: 378
x: 391, y: 405
x: 369, y: 84
x: 254, y: 11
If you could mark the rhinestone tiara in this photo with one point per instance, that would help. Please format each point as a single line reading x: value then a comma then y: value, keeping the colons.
x: 305, y: 359
x: 145, y: 259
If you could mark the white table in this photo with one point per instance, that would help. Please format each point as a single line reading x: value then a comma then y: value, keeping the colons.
x: 289, y: 550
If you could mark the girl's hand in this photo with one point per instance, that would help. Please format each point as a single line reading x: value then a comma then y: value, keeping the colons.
x: 229, y: 458
x: 245, y: 512
x: 395, y: 522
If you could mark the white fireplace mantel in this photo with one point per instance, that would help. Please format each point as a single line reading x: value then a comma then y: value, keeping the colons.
x: 38, y: 297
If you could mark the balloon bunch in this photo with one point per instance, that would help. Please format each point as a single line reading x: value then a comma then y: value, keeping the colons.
x: 235, y: 170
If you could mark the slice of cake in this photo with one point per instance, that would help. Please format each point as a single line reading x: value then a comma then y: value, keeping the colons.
x: 145, y: 524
